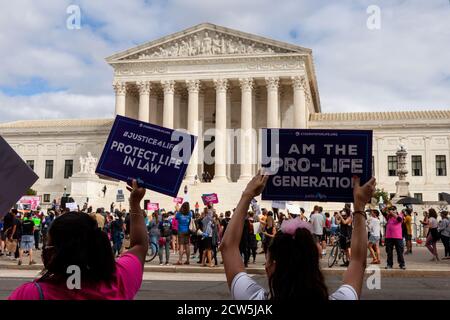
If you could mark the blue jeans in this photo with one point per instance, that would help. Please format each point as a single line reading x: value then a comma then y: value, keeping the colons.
x: 167, y: 249
x: 117, y: 242
x: 154, y: 245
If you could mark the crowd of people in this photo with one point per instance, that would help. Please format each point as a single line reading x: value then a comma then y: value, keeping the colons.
x: 204, y: 231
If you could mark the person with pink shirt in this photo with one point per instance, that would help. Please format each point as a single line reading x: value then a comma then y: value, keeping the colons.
x: 74, y: 240
x: 394, y: 237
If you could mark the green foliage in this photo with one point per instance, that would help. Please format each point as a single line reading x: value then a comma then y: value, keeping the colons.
x: 31, y: 192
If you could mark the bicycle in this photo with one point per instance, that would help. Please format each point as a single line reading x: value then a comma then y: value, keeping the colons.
x: 337, y: 253
x: 152, y: 252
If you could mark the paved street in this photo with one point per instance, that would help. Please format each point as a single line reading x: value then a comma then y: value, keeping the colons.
x: 419, y: 260
x: 193, y: 282
x: 159, y: 285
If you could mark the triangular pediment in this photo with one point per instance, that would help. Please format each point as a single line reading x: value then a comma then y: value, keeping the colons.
x: 207, y: 40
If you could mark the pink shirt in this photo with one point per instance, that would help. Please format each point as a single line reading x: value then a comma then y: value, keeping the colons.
x: 127, y: 283
x: 394, y: 227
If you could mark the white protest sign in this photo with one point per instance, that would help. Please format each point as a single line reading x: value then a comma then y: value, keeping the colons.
x: 293, y: 209
x: 72, y: 206
x: 279, y: 204
x: 16, y: 177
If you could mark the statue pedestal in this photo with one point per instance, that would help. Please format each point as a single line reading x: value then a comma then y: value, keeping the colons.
x: 88, y: 187
x: 402, y: 190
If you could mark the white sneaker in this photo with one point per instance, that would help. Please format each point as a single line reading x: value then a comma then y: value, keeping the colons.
x: 161, y: 264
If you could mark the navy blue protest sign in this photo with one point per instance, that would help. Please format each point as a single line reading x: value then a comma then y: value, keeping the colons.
x: 315, y: 165
x: 156, y: 157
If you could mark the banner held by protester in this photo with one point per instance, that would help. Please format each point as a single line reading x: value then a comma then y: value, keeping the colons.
x: 315, y: 165
x: 16, y: 177
x: 155, y: 156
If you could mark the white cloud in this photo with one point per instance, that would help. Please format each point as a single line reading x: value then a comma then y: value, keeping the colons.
x: 404, y: 65
x: 56, y: 105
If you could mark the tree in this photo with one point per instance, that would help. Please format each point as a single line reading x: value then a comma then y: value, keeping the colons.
x: 31, y: 192
x: 383, y: 194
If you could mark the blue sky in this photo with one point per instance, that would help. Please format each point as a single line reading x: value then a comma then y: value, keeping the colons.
x: 49, y: 71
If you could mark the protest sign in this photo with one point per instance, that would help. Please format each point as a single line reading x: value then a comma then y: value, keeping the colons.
x: 156, y: 157
x: 72, y: 206
x: 16, y: 177
x: 29, y: 202
x: 178, y: 200
x: 152, y: 206
x: 293, y: 209
x: 279, y: 205
x: 120, y: 197
x: 315, y: 165
x: 210, y: 198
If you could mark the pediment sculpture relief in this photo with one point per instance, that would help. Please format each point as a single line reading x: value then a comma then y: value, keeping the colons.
x: 207, y: 43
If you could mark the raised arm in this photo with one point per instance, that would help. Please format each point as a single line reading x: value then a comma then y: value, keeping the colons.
x: 354, y: 274
x: 138, y: 231
x: 230, y: 243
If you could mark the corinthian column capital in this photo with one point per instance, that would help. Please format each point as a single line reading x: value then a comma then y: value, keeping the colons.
x: 168, y: 86
x: 299, y: 82
x: 221, y: 84
x: 246, y: 84
x: 272, y: 83
x: 193, y: 86
x: 144, y: 87
x: 120, y: 88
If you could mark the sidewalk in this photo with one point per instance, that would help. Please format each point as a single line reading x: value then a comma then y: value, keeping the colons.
x: 417, y: 265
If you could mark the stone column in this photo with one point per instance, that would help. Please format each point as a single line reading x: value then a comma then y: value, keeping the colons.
x: 144, y: 100
x: 193, y: 87
x: 169, y: 89
x: 221, y: 86
x: 120, y: 88
x: 272, y: 102
x: 300, y: 112
x: 427, y: 162
x: 153, y: 101
x: 201, y: 129
x: 246, y: 144
x: 377, y: 173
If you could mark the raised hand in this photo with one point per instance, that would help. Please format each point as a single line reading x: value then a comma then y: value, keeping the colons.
x: 256, y: 185
x: 137, y: 193
x: 363, y: 194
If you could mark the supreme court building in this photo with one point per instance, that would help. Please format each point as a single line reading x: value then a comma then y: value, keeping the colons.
x: 209, y: 79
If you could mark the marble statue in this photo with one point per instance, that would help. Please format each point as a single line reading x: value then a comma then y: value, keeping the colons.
x: 88, y: 164
x: 207, y: 44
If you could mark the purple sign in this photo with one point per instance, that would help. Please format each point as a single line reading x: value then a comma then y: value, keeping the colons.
x: 156, y: 157
x: 315, y: 165
x: 15, y: 177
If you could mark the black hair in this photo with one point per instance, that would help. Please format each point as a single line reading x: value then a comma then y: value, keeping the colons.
x: 227, y: 213
x: 327, y: 214
x: 297, y: 272
x: 432, y: 213
x: 75, y: 239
